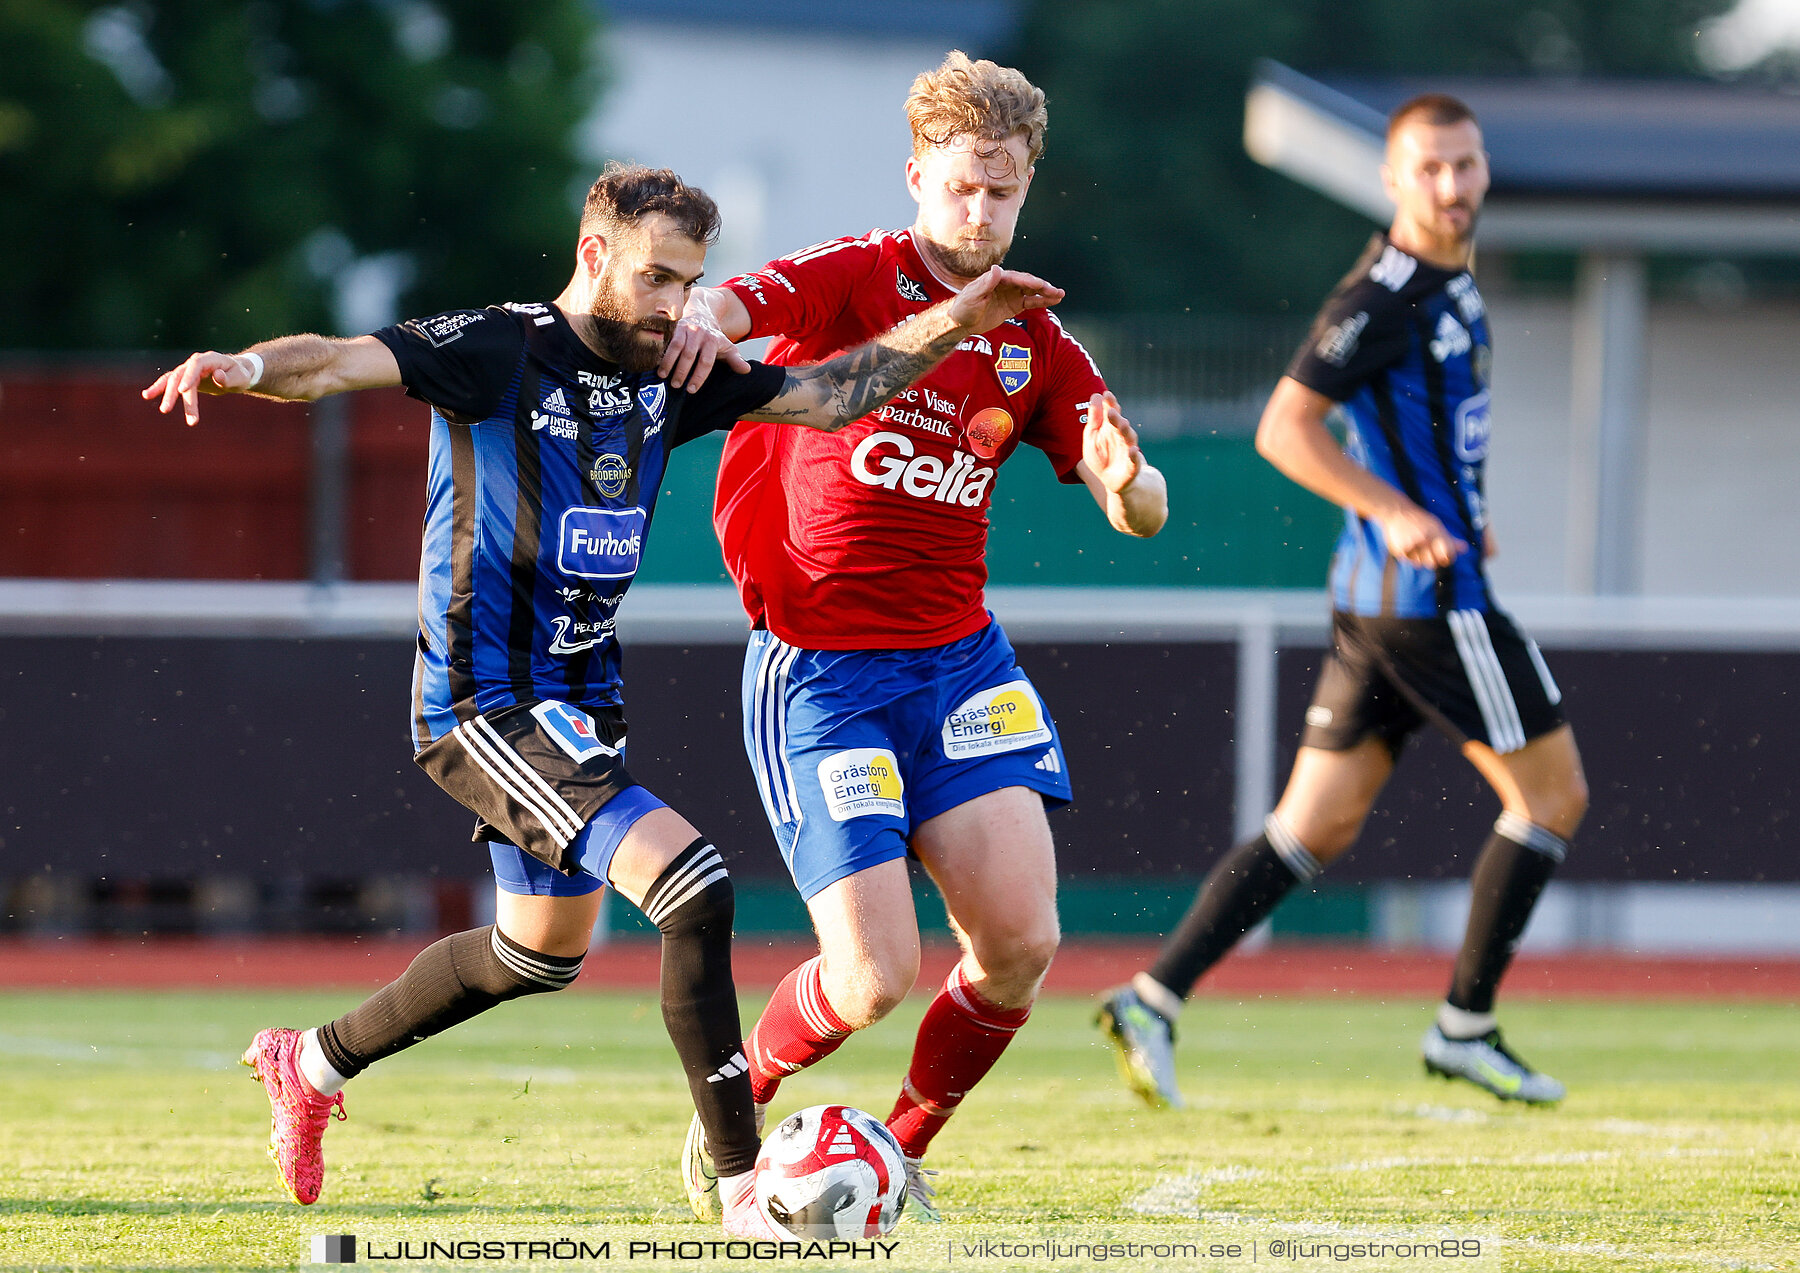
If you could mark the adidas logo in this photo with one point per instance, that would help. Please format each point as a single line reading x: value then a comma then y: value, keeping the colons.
x: 556, y: 402
x: 842, y: 1143
x: 1049, y: 764
x: 730, y: 1070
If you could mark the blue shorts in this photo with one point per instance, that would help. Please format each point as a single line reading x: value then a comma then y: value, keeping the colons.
x: 853, y: 749
x: 516, y: 871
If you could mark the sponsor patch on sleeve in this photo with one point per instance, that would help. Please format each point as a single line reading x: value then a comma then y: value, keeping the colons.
x: 861, y: 781
x: 441, y: 329
x: 1005, y: 718
x: 571, y: 729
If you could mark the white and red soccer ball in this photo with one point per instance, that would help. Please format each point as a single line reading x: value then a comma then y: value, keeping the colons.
x: 831, y: 1171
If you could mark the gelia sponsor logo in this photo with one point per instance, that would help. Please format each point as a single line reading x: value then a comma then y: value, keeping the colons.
x: 890, y: 460
x: 601, y: 543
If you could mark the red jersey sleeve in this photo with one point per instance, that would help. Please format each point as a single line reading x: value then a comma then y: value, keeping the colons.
x: 805, y: 291
x: 1055, y: 426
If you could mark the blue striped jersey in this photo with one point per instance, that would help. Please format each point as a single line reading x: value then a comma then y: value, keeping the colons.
x: 1403, y: 347
x: 545, y: 464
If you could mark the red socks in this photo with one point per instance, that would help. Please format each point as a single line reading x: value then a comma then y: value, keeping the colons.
x: 795, y: 1030
x: 959, y: 1040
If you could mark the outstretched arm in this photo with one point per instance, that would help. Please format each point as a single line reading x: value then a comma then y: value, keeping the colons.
x: 293, y: 369
x: 832, y: 394
x: 1132, y: 493
x: 710, y: 327
x: 1292, y: 436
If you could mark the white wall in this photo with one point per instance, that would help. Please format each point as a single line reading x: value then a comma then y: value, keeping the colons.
x: 1723, y: 455
x: 798, y: 137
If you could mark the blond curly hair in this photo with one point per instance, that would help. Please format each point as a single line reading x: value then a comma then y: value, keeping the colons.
x: 979, y: 100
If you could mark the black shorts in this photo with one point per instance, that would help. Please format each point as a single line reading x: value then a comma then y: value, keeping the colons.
x: 534, y: 773
x: 1472, y: 674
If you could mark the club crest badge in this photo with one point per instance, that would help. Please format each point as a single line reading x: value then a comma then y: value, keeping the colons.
x: 1013, y: 367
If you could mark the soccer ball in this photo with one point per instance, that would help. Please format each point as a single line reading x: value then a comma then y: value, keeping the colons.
x: 831, y: 1171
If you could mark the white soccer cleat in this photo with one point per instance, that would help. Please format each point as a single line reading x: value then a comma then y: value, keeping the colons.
x: 919, y: 1193
x: 1488, y: 1064
x: 697, y: 1174
x: 1146, y: 1046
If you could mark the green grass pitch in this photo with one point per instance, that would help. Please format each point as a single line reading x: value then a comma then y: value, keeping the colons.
x: 131, y: 1138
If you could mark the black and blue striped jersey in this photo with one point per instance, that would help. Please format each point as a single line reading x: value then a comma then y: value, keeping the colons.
x: 545, y: 464
x: 1403, y: 347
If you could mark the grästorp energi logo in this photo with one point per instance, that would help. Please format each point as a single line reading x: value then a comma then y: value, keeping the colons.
x: 1006, y: 718
x: 860, y: 781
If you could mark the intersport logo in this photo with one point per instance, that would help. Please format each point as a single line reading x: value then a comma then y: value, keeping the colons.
x: 891, y: 460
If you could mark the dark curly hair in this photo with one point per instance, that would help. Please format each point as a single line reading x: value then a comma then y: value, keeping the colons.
x: 627, y: 193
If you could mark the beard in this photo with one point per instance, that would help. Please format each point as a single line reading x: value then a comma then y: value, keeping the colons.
x: 636, y: 344
x: 970, y: 258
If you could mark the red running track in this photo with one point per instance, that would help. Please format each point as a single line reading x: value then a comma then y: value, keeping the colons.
x: 1081, y: 968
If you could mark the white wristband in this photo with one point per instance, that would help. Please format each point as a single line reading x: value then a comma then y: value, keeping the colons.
x: 256, y: 370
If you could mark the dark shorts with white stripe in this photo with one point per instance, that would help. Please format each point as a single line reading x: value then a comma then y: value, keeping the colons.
x: 1471, y: 673
x: 533, y: 773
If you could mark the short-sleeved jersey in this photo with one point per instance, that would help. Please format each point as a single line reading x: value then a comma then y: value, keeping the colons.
x: 545, y: 464
x: 875, y: 537
x: 1403, y: 347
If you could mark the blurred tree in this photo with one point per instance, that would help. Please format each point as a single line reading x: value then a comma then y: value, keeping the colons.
x: 1145, y: 199
x: 209, y: 173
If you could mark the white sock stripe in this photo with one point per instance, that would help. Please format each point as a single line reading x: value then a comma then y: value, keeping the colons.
x: 519, y: 957
x: 479, y: 751
x: 812, y: 1002
x: 963, y: 996
x: 675, y: 903
x: 1295, y: 855
x: 531, y: 969
x: 531, y: 776
x: 1522, y: 830
x: 1543, y: 671
x: 1499, y: 714
x: 657, y: 904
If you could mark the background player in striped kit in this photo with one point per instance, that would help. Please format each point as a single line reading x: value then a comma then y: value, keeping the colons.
x: 884, y: 711
x: 1402, y: 347
x: 550, y: 430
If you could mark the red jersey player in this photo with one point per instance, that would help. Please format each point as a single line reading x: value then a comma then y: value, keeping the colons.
x: 884, y: 711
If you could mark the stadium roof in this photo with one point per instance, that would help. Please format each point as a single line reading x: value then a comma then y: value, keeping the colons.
x: 1577, y: 164
x: 980, y: 23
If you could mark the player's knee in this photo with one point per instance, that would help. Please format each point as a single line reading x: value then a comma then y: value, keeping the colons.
x: 693, y: 897
x: 1030, y: 951
x: 868, y: 988
x: 489, y: 962
x: 1559, y: 806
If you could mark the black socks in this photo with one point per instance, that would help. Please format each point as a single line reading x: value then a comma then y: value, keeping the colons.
x: 1237, y: 895
x: 451, y: 980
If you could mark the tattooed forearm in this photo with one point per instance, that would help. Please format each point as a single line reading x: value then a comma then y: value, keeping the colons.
x: 831, y: 394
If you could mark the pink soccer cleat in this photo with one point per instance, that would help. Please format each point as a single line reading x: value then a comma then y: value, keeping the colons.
x: 297, y: 1114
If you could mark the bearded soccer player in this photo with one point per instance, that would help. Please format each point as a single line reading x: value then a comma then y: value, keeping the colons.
x: 1402, y: 349
x: 884, y: 712
x: 550, y: 431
